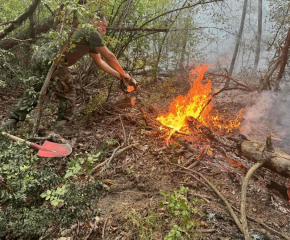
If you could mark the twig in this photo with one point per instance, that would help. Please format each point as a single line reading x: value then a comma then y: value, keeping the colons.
x: 208, y: 230
x: 114, y: 155
x: 97, y: 80
x: 107, y: 162
x: 215, y: 94
x: 49, y: 9
x: 109, y: 92
x: 104, y: 228
x: 234, y: 80
x: 264, y: 225
x: 6, y: 186
x: 234, y: 216
x: 124, y: 132
x: 268, y: 150
x: 205, y: 198
x: 144, y: 115
x: 91, y: 230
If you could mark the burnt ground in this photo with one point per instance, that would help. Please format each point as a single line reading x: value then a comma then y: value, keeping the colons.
x: 132, y: 181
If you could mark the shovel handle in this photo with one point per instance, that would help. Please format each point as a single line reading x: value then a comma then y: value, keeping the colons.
x: 16, y: 138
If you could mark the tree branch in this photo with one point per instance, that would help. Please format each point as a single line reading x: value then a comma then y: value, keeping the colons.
x: 267, y: 154
x: 18, y: 21
x: 49, y: 76
x: 178, y: 9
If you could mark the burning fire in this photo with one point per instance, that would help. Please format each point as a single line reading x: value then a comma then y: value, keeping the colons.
x: 197, y: 104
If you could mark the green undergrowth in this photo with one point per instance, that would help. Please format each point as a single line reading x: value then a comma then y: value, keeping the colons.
x: 177, y: 217
x: 35, y: 200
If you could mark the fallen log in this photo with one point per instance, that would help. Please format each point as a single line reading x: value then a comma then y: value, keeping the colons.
x: 279, y: 162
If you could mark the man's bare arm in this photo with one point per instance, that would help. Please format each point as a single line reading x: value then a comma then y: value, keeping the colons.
x: 104, y: 66
x: 112, y: 61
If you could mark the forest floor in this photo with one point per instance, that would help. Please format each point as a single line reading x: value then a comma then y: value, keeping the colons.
x: 133, y: 181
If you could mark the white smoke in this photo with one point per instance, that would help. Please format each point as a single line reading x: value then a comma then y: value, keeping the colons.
x: 269, y: 114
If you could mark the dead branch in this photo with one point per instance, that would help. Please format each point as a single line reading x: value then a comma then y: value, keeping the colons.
x: 264, y: 225
x: 144, y: 115
x: 233, y: 79
x: 208, y: 230
x: 104, y: 228
x: 268, y: 153
x: 234, y: 216
x: 138, y: 29
x: 49, y: 76
x: 19, y: 20
x: 107, y: 162
x: 114, y: 155
x: 215, y: 94
x: 190, y: 161
x: 178, y: 9
x: 6, y: 186
x: 124, y: 132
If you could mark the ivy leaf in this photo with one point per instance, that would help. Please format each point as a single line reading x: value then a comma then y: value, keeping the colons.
x: 55, y: 202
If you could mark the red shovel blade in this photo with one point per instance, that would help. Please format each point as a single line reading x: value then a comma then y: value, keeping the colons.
x: 51, y: 149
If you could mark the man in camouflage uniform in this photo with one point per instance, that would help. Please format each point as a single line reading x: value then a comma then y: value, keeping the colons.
x: 86, y: 41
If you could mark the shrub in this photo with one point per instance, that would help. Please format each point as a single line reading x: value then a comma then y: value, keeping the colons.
x: 35, y: 201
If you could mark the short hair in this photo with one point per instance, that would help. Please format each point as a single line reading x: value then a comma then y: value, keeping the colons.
x: 98, y: 14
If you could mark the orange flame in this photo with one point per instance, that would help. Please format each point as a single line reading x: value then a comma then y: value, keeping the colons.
x: 197, y: 104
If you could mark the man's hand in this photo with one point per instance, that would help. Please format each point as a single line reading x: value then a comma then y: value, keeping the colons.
x: 129, y: 84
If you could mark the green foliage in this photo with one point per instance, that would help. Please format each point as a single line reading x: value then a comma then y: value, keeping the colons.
x: 143, y: 227
x: 75, y: 165
x: 182, y: 210
x: 96, y: 103
x: 34, y: 199
x: 177, y: 218
x: 55, y: 196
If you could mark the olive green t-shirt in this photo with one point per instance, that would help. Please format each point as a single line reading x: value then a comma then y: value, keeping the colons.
x: 85, y: 41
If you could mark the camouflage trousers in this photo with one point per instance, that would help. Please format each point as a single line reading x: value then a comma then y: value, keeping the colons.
x: 62, y: 83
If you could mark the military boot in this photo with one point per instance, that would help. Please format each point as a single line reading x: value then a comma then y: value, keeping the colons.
x: 9, y: 124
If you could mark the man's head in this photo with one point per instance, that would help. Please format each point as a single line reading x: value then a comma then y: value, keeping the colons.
x: 99, y: 20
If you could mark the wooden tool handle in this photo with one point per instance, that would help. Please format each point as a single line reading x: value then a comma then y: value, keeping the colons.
x: 16, y: 138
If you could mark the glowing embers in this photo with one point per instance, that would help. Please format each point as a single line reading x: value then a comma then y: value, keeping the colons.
x: 196, y: 104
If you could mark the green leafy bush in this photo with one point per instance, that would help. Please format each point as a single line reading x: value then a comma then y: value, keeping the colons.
x: 184, y: 212
x: 34, y: 199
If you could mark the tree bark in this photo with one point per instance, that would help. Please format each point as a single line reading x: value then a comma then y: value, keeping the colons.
x: 22, y: 35
x: 19, y: 20
x: 238, y: 42
x: 284, y: 60
x: 279, y: 163
x: 259, y: 36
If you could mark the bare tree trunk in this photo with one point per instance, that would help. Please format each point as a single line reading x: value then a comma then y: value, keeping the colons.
x: 284, y: 60
x: 239, y: 37
x: 258, y: 48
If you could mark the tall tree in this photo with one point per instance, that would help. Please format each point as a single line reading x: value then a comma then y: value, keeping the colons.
x: 284, y: 60
x: 238, y: 41
x: 259, y: 35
